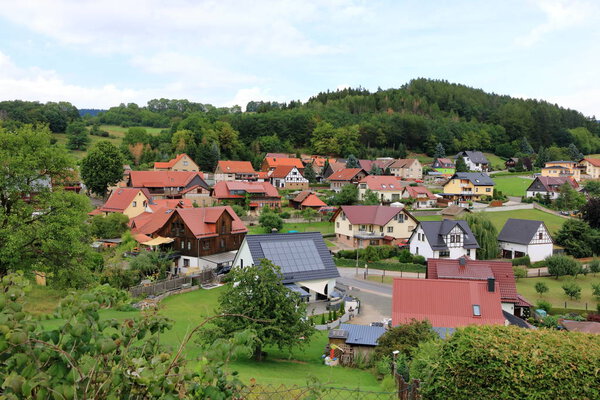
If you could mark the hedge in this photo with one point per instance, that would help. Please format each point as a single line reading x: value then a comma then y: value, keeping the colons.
x: 387, y: 266
x: 496, y: 362
x: 521, y: 261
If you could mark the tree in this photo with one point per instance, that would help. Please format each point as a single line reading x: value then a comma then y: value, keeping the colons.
x: 87, y: 357
x: 592, y: 188
x: 519, y: 167
x: 103, y: 166
x: 574, y: 152
x: 208, y: 155
x: 78, y: 136
x: 572, y: 289
x: 541, y: 158
x: 375, y: 170
x: 440, y: 151
x: 352, y: 162
x: 270, y: 221
x: 461, y: 166
x: 569, y: 198
x: 486, y: 234
x: 347, y: 196
x: 309, y: 173
x: 404, y: 338
x: 596, y: 290
x: 309, y: 214
x: 42, y: 228
x: 559, y: 265
x: 526, y: 147
x: 590, y: 212
x: 541, y: 288
x: 274, y: 313
x: 370, y: 198
x: 578, y: 238
x: 111, y: 226
x: 594, y: 266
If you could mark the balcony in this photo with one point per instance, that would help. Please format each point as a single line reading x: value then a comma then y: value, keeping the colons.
x: 367, y: 235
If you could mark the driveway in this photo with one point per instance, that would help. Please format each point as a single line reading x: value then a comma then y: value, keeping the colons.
x: 375, y: 298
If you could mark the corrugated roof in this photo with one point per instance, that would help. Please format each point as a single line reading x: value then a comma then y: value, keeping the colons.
x: 362, y: 335
x: 301, y: 256
x: 436, y: 230
x: 581, y: 326
x: 519, y: 231
x: 236, y: 167
x: 445, y: 303
x: 477, y: 269
x: 371, y: 215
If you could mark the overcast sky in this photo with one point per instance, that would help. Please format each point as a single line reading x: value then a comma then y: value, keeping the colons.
x: 97, y: 54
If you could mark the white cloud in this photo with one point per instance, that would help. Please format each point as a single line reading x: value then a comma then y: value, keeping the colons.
x: 585, y: 101
x: 560, y: 15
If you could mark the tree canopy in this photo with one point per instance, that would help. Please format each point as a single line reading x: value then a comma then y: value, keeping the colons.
x: 102, y: 167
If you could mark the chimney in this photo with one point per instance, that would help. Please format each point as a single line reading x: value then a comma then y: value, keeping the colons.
x: 462, y: 261
x: 491, y: 285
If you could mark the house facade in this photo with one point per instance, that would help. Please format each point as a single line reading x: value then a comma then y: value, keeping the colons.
x: 304, y: 259
x: 288, y: 177
x: 182, y: 162
x: 344, y: 177
x: 549, y: 187
x: 362, y: 226
x: 590, y: 167
x: 128, y: 201
x: 475, y: 160
x: 168, y: 184
x: 444, y: 166
x: 259, y: 194
x: 562, y: 169
x: 422, y: 197
x: 411, y: 169
x: 387, y: 188
x: 468, y: 186
x: 522, y: 237
x: 235, y: 171
x: 443, y: 239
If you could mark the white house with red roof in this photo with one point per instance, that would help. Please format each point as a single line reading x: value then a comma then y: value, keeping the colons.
x: 345, y: 176
x: 422, y: 197
x: 235, y: 171
x: 590, y: 168
x: 447, y: 303
x: 182, y: 162
x: 259, y: 194
x: 361, y: 226
x: 387, y: 188
x: 288, y: 177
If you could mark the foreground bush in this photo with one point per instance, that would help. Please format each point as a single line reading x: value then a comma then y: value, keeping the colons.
x: 511, y: 363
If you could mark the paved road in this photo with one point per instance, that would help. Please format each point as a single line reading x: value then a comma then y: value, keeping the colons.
x: 375, y: 298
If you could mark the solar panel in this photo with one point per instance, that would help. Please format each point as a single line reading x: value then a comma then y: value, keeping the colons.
x: 294, y: 255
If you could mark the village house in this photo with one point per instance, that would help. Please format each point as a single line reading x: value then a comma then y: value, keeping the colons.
x: 511, y: 162
x: 443, y: 239
x: 305, y: 261
x: 362, y: 226
x: 169, y: 184
x: 447, y: 303
x: 483, y: 270
x: 387, y: 188
x: 157, y: 204
x: 235, y: 171
x: 549, y: 187
x: 561, y: 169
x: 523, y: 237
x: 318, y: 164
x: 344, y: 177
x: 288, y: 177
x: 475, y: 160
x: 422, y: 197
x: 381, y: 163
x: 270, y: 163
x: 307, y: 199
x: 182, y: 162
x: 128, y: 201
x: 444, y: 166
x: 463, y: 187
x: 195, y: 233
x: 333, y: 167
x: 411, y: 169
x: 258, y: 194
x: 590, y: 168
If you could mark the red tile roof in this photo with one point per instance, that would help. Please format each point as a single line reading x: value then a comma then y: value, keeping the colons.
x: 201, y: 220
x: 148, y: 223
x: 313, y: 201
x: 281, y: 171
x: 170, y: 203
x: 594, y: 161
x: 170, y: 163
x: 446, y: 161
x: 302, y: 195
x: 273, y: 162
x: 222, y: 190
x: 346, y: 174
x: 236, y: 167
x: 403, y: 163
x: 415, y: 191
x: 445, y: 303
x: 382, y: 183
x: 159, y: 179
x: 277, y: 155
x: 370, y: 215
x: 121, y: 198
x: 476, y: 270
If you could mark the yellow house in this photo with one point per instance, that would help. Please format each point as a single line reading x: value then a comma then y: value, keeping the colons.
x: 468, y: 186
x: 559, y: 169
x: 129, y: 201
x: 361, y: 226
x: 590, y: 167
x: 182, y: 162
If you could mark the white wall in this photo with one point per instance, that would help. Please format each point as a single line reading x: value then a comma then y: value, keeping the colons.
x: 553, y: 195
x: 420, y: 247
x: 508, y: 307
x: 536, y: 252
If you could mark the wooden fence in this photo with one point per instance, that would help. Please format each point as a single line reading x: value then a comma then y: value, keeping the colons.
x: 167, y: 285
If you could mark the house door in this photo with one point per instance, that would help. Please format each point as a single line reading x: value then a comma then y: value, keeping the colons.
x: 507, y: 254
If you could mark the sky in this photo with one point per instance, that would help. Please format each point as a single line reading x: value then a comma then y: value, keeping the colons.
x: 98, y: 54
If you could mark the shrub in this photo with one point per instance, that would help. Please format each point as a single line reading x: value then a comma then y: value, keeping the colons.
x: 270, y: 221
x: 572, y: 289
x: 544, y: 305
x: 541, y: 288
x: 520, y: 272
x: 493, y: 362
x: 323, y: 322
x: 239, y: 210
x: 405, y: 338
x: 285, y: 214
x: 522, y: 261
x: 404, y: 256
x: 594, y: 266
x: 419, y: 260
x: 559, y: 265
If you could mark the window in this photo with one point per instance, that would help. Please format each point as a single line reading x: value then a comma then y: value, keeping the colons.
x: 417, y: 250
x: 206, y: 245
x: 363, y: 228
x: 337, y: 224
x: 350, y: 226
x: 182, y: 244
x: 222, y: 243
x: 381, y: 229
x: 452, y: 238
x: 185, y: 163
x: 399, y: 217
x: 488, y: 190
x: 343, y: 217
x: 444, y: 254
x: 189, y: 244
x: 390, y: 229
x: 374, y: 242
x: 540, y: 236
x: 477, y: 189
x: 134, y: 204
x: 186, y: 262
x: 476, y: 310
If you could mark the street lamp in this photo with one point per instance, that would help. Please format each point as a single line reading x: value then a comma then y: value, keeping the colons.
x: 394, y: 356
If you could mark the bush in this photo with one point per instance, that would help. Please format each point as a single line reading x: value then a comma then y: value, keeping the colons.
x: 109, y: 227
x: 559, y: 265
x: 522, y: 261
x: 541, y: 288
x: 270, y: 221
x: 239, y: 210
x: 285, y: 214
x: 594, y: 266
x: 405, y: 338
x: 520, y: 272
x: 543, y: 305
x: 492, y: 362
x: 419, y: 260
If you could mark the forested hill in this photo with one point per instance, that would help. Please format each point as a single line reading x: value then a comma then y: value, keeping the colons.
x: 417, y: 117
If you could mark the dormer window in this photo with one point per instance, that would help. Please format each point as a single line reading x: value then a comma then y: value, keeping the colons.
x: 476, y: 310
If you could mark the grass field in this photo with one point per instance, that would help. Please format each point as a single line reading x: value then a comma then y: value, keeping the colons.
x: 423, y: 158
x: 321, y: 226
x: 497, y: 162
x: 512, y: 185
x: 42, y: 300
x: 498, y: 218
x: 556, y: 295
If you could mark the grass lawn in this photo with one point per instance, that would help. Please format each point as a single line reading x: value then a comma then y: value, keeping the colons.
x: 497, y: 162
x: 428, y: 217
x: 321, y: 226
x: 42, y: 300
x: 423, y: 158
x: 512, y: 185
x: 556, y: 295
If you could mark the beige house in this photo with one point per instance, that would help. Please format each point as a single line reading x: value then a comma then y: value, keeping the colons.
x: 387, y: 188
x: 407, y: 169
x: 129, y: 201
x: 559, y: 169
x: 182, y: 162
x: 590, y: 167
x: 344, y: 177
x: 361, y: 226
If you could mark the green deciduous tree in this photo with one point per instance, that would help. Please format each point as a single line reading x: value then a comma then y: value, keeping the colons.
x: 541, y: 288
x: 578, y: 239
x: 572, y: 289
x: 347, y: 196
x: 404, y: 338
x: 592, y: 188
x: 559, y: 265
x: 370, y: 198
x: 103, y: 166
x: 569, y: 198
x: 486, y: 234
x: 275, y: 314
x: 270, y: 221
x: 78, y: 137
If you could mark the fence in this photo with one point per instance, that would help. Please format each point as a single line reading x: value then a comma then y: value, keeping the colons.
x: 167, y: 285
x: 317, y: 392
